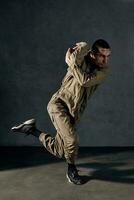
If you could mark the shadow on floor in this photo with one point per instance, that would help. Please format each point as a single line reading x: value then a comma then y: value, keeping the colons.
x: 107, y: 163
x: 109, y: 172
x: 21, y: 157
x: 110, y: 164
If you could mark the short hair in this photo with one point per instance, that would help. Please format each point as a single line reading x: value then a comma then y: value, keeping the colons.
x: 100, y: 43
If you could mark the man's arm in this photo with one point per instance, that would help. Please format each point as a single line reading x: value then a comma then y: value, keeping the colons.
x: 75, y: 56
x: 74, y: 59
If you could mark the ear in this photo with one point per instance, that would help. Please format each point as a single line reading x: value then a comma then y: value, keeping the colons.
x: 92, y: 55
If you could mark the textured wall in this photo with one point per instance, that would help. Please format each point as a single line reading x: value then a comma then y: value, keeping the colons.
x: 34, y: 37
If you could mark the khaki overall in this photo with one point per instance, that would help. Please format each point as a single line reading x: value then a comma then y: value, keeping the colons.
x: 68, y: 103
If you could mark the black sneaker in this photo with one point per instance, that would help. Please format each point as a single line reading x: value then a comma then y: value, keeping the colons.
x: 26, y: 127
x: 73, y: 177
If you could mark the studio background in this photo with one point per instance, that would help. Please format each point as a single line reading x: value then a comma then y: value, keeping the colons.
x: 34, y: 37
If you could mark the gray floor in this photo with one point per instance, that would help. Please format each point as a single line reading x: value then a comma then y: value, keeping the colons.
x: 31, y: 173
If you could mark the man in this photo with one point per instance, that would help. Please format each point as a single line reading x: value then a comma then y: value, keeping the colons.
x: 86, y: 70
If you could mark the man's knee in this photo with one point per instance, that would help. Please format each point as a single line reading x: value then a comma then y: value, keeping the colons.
x: 49, y: 107
x: 52, y: 107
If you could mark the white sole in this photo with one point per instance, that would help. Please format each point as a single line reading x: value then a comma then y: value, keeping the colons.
x: 71, y: 181
x: 68, y: 179
x: 28, y: 122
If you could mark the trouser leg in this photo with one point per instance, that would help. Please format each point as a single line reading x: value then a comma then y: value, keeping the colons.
x: 53, y: 144
x: 66, y: 141
x: 66, y: 130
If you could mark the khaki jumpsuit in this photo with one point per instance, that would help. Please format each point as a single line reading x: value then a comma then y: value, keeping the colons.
x: 68, y: 103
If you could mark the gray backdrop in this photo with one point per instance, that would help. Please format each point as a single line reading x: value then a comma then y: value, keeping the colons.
x: 34, y: 37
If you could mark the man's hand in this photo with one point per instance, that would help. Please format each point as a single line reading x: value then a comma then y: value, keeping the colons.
x: 73, y: 48
x: 77, y: 46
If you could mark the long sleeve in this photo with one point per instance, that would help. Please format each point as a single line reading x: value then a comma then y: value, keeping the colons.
x: 75, y: 58
x: 97, y: 78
